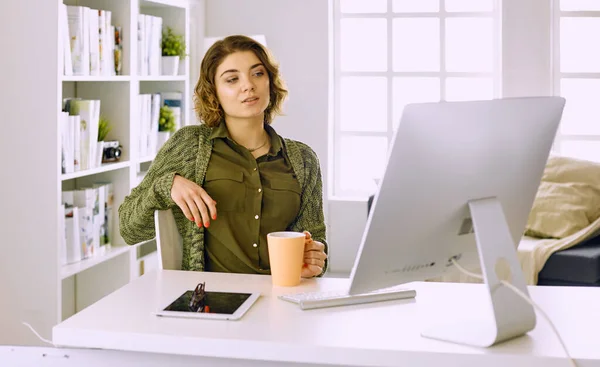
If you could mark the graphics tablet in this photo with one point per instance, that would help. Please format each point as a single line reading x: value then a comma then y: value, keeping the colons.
x: 200, y: 304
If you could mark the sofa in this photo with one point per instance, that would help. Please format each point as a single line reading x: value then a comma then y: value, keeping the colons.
x: 575, y: 266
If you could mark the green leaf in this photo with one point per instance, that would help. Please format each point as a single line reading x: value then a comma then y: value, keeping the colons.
x: 166, y: 120
x: 103, y: 128
x: 173, y: 44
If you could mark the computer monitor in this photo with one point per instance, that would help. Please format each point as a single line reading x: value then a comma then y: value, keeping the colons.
x: 460, y: 182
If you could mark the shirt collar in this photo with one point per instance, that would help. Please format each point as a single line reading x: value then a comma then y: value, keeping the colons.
x: 276, y: 144
x: 221, y: 131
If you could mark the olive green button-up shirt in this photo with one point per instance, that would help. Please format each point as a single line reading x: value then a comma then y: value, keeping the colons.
x: 187, y: 153
x: 255, y: 196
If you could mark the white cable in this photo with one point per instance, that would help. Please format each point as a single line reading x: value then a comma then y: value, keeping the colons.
x: 38, y: 335
x: 526, y: 298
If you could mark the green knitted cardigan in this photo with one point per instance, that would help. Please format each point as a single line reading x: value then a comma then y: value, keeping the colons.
x: 187, y: 154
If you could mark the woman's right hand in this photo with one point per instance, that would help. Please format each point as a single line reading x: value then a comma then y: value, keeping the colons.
x: 194, y: 201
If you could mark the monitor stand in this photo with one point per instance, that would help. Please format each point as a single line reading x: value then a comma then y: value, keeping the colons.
x: 510, y: 315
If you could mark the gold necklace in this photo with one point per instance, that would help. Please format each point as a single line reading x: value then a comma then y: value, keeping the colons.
x: 257, y: 148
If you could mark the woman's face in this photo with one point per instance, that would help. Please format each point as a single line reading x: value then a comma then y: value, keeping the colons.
x: 242, y: 85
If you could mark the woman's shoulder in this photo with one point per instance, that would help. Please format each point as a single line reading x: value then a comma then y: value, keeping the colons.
x: 190, y: 137
x: 302, y: 150
x: 186, y: 141
x: 193, y: 131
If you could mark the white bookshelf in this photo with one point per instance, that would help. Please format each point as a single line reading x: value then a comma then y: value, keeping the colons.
x: 85, y: 282
x: 34, y: 287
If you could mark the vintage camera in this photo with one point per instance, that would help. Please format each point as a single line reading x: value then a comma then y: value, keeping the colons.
x: 112, y: 151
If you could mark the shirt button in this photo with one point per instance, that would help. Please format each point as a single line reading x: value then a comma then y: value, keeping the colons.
x: 259, y: 190
x: 255, y: 245
x: 256, y: 216
x: 254, y: 168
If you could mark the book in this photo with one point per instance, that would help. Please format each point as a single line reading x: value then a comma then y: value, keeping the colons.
x: 174, y: 100
x: 78, y: 20
x: 65, y: 41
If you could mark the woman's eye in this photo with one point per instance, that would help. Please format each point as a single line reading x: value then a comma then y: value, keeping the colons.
x: 232, y: 80
x: 260, y: 73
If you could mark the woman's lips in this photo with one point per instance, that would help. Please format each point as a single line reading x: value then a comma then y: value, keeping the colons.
x: 250, y: 101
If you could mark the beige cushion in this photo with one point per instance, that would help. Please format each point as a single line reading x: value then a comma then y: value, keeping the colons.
x: 568, y: 198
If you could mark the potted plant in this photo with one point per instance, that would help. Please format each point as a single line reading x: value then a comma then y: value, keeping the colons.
x: 103, y: 130
x: 166, y: 125
x: 173, y: 48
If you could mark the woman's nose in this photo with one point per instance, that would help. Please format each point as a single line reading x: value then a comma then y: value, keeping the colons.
x: 248, y: 86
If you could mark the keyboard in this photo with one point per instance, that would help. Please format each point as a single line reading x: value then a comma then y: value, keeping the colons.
x: 312, y: 300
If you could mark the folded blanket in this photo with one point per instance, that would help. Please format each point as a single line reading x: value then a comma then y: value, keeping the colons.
x: 534, y: 252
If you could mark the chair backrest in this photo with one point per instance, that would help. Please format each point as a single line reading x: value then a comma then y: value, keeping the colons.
x: 169, y: 243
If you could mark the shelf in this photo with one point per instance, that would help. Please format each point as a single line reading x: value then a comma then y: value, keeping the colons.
x: 146, y: 159
x: 163, y: 3
x: 162, y: 78
x: 98, y: 78
x: 75, y: 268
x: 106, y: 167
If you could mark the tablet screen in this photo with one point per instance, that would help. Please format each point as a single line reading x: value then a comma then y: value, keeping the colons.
x: 215, y: 302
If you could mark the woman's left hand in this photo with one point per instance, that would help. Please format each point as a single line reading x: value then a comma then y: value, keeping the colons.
x: 314, y: 257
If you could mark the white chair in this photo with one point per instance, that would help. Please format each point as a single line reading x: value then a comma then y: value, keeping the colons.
x: 169, y: 244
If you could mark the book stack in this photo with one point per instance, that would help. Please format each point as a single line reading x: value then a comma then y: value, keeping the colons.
x: 149, y: 107
x: 91, y: 44
x: 149, y: 45
x: 88, y: 222
x: 80, y: 149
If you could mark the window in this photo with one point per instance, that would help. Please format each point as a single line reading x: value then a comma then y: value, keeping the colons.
x: 577, y: 76
x: 388, y: 53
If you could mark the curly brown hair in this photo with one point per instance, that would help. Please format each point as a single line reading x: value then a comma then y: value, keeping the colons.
x: 206, y: 103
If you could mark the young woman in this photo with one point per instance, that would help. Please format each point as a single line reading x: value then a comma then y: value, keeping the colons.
x: 232, y: 179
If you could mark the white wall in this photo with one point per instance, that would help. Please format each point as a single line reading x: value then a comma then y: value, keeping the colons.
x: 297, y: 34
x: 29, y: 190
x: 527, y: 47
x: 197, y: 29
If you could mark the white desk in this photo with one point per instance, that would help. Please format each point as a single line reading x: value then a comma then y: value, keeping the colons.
x: 277, y: 333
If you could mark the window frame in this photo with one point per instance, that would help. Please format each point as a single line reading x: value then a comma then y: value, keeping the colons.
x: 336, y: 132
x: 558, y: 75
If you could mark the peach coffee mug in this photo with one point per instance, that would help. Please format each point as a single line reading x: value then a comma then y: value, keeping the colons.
x: 286, y: 255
